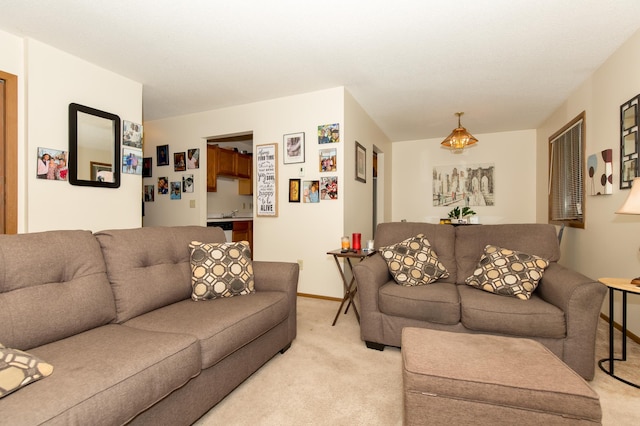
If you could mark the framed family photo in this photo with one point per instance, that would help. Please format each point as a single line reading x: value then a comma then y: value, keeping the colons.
x: 162, y: 152
x: 293, y: 147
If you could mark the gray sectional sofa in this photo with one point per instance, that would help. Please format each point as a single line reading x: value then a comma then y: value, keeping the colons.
x: 562, y: 313
x: 112, y: 313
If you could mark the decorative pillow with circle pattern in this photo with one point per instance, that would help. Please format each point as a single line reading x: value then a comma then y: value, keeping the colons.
x: 18, y: 369
x: 508, y: 272
x: 413, y: 262
x: 221, y: 270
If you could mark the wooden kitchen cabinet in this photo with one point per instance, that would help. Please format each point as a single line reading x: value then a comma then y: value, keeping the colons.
x: 243, y: 231
x: 212, y: 172
x: 227, y: 160
x: 243, y: 165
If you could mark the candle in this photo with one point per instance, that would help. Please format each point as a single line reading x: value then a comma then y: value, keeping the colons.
x: 356, y: 241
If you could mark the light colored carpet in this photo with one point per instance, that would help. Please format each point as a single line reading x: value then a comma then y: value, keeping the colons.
x: 329, y: 377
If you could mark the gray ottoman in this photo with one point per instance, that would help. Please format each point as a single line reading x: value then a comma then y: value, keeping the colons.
x: 470, y: 379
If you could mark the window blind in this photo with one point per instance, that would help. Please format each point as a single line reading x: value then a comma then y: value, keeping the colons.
x: 566, y: 171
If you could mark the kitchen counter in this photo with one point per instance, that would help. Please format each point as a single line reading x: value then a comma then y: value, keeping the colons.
x: 229, y: 219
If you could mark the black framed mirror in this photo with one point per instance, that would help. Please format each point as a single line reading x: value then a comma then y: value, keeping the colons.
x: 94, y: 147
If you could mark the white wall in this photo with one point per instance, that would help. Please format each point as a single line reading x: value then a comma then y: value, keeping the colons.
x: 512, y: 153
x: 49, y: 80
x: 301, y: 231
x: 608, y: 246
x: 358, y: 208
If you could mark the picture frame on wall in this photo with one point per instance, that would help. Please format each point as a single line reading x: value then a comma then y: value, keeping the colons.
x: 162, y: 153
x: 147, y: 163
x: 294, y: 190
x: 293, y: 148
x: 361, y: 163
x: 629, y: 141
x: 266, y: 156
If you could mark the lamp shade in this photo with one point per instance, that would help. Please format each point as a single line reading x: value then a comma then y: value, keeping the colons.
x: 459, y: 138
x: 632, y: 203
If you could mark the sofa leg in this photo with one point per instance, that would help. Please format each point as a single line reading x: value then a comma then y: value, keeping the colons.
x: 374, y: 345
x: 283, y: 350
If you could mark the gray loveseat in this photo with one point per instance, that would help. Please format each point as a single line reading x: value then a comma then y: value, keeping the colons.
x: 562, y: 313
x: 112, y: 312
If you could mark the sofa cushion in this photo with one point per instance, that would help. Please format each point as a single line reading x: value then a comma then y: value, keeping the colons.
x: 508, y: 272
x: 106, y: 375
x: 490, y: 313
x: 534, y: 238
x: 438, y: 302
x: 413, y: 262
x: 221, y: 270
x: 149, y: 267
x: 18, y: 369
x: 441, y: 238
x: 221, y: 325
x: 52, y: 285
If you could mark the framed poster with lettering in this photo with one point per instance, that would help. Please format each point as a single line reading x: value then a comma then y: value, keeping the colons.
x: 267, y: 179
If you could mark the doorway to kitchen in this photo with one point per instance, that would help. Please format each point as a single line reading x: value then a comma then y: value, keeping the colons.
x: 230, y: 185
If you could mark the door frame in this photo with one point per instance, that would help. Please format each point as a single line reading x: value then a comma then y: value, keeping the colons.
x: 10, y: 151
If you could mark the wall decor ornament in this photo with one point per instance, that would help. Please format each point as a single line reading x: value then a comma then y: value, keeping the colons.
x: 267, y: 180
x: 469, y: 185
x: 629, y: 142
x: 600, y: 172
x: 294, y: 190
x: 162, y: 151
x: 329, y: 133
x: 131, y: 134
x: 361, y: 163
x: 293, y: 148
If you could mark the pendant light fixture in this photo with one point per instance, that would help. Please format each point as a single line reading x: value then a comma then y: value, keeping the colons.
x: 459, y: 138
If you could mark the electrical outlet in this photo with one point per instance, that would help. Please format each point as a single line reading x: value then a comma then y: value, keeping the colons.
x: 244, y: 206
x: 192, y: 204
x: 300, y: 263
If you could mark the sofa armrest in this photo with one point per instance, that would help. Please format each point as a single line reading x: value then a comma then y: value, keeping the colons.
x: 370, y: 275
x: 276, y: 276
x: 283, y: 277
x: 580, y: 298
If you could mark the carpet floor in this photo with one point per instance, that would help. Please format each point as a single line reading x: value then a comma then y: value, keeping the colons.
x: 329, y: 377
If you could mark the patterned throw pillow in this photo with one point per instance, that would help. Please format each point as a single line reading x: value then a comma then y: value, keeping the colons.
x: 221, y: 270
x: 18, y: 369
x: 508, y: 272
x: 413, y: 262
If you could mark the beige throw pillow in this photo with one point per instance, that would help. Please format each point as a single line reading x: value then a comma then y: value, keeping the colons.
x: 221, y: 270
x: 18, y: 369
x: 508, y: 272
x: 413, y: 262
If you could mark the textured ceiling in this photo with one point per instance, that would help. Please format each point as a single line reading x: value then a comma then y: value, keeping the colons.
x: 411, y: 64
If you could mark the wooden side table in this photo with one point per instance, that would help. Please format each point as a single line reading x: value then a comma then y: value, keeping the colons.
x: 623, y: 285
x: 350, y: 288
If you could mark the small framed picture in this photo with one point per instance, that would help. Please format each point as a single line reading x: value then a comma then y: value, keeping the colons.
x: 293, y: 146
x: 162, y: 152
x: 163, y: 185
x: 361, y: 163
x: 131, y: 134
x: 329, y: 133
x: 131, y: 161
x: 176, y: 190
x: 187, y: 183
x: 294, y: 190
x: 148, y: 193
x: 193, y: 158
x: 311, y: 191
x: 147, y: 163
x: 329, y: 188
x: 328, y: 160
x: 179, y: 164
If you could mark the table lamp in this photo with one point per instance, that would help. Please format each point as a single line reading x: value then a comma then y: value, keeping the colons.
x: 632, y: 206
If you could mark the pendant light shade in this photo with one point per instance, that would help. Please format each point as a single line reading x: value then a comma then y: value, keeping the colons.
x: 459, y: 138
